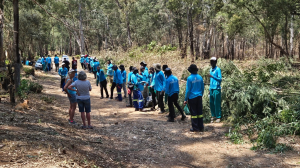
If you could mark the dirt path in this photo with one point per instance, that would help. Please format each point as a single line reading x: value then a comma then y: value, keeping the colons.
x: 121, y: 138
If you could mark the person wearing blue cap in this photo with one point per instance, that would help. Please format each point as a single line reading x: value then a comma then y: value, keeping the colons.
x: 172, y: 90
x: 102, y: 80
x: 193, y: 96
x: 56, y: 62
x: 215, y: 76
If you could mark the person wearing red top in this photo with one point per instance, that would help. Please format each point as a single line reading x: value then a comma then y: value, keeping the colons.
x: 74, y: 63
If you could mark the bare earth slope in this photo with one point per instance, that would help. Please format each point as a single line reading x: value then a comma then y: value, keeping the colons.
x: 40, y: 136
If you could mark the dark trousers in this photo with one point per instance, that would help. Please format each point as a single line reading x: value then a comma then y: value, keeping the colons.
x: 49, y: 67
x: 103, y: 85
x: 56, y: 67
x: 173, y: 100
x: 160, y: 99
x: 153, y: 97
x: 95, y: 74
x: 112, y: 89
x: 82, y: 65
x: 195, y: 106
x: 130, y: 98
x: 119, y: 90
x: 62, y: 83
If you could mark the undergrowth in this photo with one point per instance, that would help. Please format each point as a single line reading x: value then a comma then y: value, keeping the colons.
x: 27, y: 87
x: 263, y: 98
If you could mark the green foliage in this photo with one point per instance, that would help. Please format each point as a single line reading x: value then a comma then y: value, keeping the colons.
x: 78, y: 57
x: 36, y: 58
x: 235, y: 136
x: 26, y: 87
x: 48, y: 99
x: 29, y: 70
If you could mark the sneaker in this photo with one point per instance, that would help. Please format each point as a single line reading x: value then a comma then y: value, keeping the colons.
x: 111, y: 98
x: 212, y: 120
x: 83, y: 127
x: 218, y: 120
x: 71, y: 122
x: 192, y: 130
x: 90, y: 127
x: 101, y: 97
x: 136, y: 109
x: 183, y: 118
x: 107, y: 97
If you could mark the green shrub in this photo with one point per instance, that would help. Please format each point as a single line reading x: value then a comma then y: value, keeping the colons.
x: 36, y: 58
x: 35, y: 87
x: 77, y: 56
x: 29, y: 70
x: 27, y: 87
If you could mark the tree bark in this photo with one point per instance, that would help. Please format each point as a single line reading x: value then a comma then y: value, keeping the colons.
x: 2, y: 55
x: 128, y: 30
x: 191, y: 38
x: 70, y: 45
x: 291, y: 36
x: 81, y: 44
x: 17, y: 69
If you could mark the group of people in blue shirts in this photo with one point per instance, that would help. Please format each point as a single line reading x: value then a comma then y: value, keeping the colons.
x: 145, y: 85
x: 156, y: 83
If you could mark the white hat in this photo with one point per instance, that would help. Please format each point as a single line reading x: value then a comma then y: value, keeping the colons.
x: 63, y: 64
x: 73, y: 70
x: 213, y: 58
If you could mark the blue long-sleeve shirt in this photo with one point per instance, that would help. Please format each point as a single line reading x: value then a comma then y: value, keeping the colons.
x: 129, y: 76
x: 172, y: 85
x: 215, y: 81
x: 194, y: 87
x: 118, y: 77
x: 87, y: 60
x: 49, y: 60
x: 96, y: 64
x: 145, y: 76
x: 100, y: 76
x: 110, y: 71
x: 56, y: 60
x: 43, y: 60
x: 124, y: 76
x: 159, y: 81
x: 82, y: 60
x: 63, y: 72
x: 135, y: 79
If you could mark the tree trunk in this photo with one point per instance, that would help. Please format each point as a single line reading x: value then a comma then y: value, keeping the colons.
x: 128, y: 30
x: 191, y: 38
x: 70, y: 45
x: 81, y: 44
x: 291, y: 36
x: 2, y: 55
x: 285, y: 34
x: 17, y: 70
x: 208, y: 44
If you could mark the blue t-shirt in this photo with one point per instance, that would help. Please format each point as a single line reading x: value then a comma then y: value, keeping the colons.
x: 48, y: 59
x: 110, y: 71
x: 194, y: 87
x: 56, y: 60
x: 71, y: 91
x: 118, y: 77
x: 96, y: 64
x: 63, y: 72
x: 172, y: 85
x: 215, y: 81
x: 27, y: 62
x: 159, y: 81
x: 129, y: 76
x: 124, y: 76
x: 100, y: 75
x: 135, y: 79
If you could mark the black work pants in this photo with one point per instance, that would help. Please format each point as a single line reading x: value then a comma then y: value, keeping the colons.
x: 173, y: 100
x: 153, y: 97
x: 113, y: 86
x: 103, y: 85
x: 95, y: 74
x: 160, y: 99
x: 195, y: 106
x: 82, y: 65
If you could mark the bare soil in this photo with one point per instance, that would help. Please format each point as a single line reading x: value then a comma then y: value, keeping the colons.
x: 40, y: 136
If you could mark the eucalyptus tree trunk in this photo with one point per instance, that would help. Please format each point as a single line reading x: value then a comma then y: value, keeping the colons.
x: 291, y: 36
x: 17, y: 70
x: 2, y: 55
x: 81, y: 44
x: 191, y: 38
x: 70, y: 45
x: 128, y: 30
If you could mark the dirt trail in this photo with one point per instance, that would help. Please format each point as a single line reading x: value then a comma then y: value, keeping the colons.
x: 124, y: 138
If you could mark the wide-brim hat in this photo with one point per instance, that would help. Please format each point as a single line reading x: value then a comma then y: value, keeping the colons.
x: 122, y: 67
x: 143, y: 62
x: 193, y: 68
x: 115, y: 67
x: 157, y: 67
x: 63, y: 64
x: 213, y: 58
x: 168, y: 71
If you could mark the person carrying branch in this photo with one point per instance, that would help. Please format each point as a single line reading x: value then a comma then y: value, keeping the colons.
x: 215, y: 76
x: 193, y: 96
x: 172, y: 90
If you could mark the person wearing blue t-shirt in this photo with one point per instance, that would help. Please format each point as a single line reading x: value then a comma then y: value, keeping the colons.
x: 124, y: 73
x: 151, y: 89
x: 56, y: 62
x: 158, y: 83
x: 193, y: 96
x: 138, y: 100
x: 215, y: 90
x: 129, y: 91
x: 62, y: 72
x: 172, y: 90
x: 145, y: 79
x: 144, y: 64
x: 102, y: 80
x: 119, y: 81
x: 71, y: 95
x: 49, y: 61
x: 82, y: 62
x: 110, y: 71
